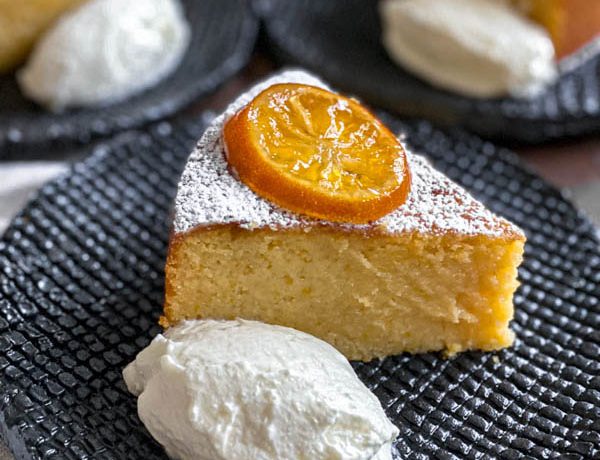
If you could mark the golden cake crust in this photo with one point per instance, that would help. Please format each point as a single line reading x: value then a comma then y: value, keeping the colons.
x: 370, y: 295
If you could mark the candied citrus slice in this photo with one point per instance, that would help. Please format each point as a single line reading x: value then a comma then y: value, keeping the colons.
x: 317, y: 153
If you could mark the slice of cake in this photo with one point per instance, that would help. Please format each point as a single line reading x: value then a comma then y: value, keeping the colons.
x: 437, y: 273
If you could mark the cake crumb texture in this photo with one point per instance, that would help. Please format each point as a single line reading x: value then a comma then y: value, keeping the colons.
x: 369, y: 296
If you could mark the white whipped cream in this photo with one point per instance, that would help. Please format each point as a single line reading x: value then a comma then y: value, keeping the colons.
x: 481, y: 48
x: 239, y: 390
x: 105, y: 51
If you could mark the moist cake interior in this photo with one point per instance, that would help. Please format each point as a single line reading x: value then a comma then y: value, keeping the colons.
x: 368, y: 296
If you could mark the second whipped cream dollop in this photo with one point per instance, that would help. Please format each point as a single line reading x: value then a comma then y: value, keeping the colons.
x: 105, y: 51
x: 481, y: 48
x: 238, y: 390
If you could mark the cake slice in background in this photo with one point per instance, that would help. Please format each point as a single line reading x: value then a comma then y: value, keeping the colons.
x: 22, y: 22
x: 571, y: 23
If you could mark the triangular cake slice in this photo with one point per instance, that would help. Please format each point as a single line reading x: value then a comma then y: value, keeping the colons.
x: 438, y: 273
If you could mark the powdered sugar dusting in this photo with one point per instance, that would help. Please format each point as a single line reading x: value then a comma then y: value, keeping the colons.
x: 210, y: 195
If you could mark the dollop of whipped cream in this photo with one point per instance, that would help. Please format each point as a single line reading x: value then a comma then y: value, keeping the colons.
x: 105, y: 51
x: 239, y: 390
x: 480, y: 48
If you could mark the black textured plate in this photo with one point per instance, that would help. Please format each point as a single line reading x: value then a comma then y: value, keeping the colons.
x: 223, y: 37
x: 81, y: 287
x: 340, y: 39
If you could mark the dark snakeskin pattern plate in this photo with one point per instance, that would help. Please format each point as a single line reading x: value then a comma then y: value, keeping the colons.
x: 81, y: 288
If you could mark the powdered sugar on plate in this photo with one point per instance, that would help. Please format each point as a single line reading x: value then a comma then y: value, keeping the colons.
x: 209, y: 194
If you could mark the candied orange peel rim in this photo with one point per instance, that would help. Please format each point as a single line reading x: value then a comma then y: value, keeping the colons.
x: 252, y: 167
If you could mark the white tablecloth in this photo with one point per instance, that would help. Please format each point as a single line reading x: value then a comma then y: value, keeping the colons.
x: 18, y: 181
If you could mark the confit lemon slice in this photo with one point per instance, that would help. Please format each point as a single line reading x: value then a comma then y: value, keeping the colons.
x: 317, y: 153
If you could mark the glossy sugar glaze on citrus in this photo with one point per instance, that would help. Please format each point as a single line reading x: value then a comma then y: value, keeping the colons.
x: 317, y: 153
x: 320, y: 138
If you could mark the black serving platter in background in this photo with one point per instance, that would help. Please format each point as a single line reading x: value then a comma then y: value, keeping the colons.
x: 81, y: 289
x: 223, y: 37
x: 340, y: 39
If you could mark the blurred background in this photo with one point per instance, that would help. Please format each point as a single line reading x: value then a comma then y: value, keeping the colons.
x: 71, y: 73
